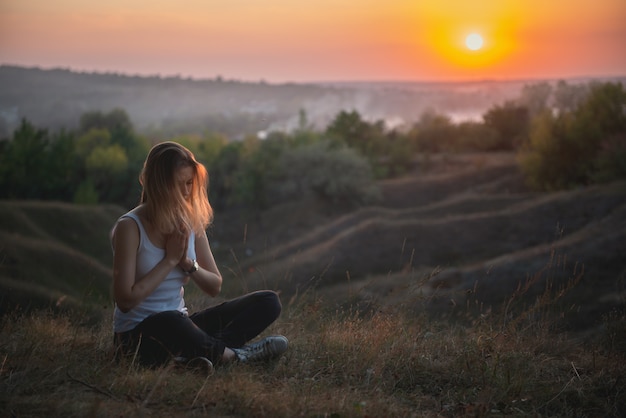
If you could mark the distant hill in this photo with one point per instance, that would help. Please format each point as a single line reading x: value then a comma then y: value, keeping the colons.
x: 164, y: 107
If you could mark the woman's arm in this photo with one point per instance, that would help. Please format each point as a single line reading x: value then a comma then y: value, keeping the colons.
x: 208, y: 277
x: 128, y: 290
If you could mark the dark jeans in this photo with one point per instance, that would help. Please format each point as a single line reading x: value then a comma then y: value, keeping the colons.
x: 207, y: 333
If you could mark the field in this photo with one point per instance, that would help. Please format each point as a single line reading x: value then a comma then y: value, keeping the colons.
x: 460, y: 294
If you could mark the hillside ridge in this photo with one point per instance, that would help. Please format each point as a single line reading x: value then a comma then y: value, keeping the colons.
x: 544, y: 215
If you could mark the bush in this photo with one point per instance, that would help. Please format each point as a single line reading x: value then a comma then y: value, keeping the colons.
x: 433, y: 133
x: 611, y: 161
x: 334, y: 175
x: 476, y: 136
x: 510, y: 121
x: 581, y: 146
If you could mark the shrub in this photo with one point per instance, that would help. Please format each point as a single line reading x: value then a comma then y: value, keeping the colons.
x: 510, y: 121
x: 476, y: 136
x: 580, y: 146
x: 335, y: 175
x: 433, y: 133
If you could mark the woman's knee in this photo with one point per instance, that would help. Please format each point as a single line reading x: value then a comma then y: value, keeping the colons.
x: 272, y: 302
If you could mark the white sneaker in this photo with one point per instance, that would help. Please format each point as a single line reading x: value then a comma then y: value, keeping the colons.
x: 266, y: 349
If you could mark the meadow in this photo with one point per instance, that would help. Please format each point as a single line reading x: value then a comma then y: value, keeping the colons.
x: 461, y: 294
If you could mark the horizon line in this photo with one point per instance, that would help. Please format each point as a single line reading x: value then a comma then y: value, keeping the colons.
x: 317, y: 82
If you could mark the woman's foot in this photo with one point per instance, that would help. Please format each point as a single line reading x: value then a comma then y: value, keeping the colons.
x: 266, y: 349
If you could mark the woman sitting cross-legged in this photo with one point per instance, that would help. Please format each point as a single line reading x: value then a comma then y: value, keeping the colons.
x: 157, y: 248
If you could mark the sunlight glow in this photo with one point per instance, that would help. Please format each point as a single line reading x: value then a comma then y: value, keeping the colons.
x: 282, y: 40
x: 474, y: 41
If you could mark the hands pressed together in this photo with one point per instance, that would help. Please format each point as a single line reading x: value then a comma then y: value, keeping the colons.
x: 176, y: 246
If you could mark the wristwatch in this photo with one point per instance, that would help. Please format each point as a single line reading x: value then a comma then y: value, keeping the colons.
x: 194, y: 267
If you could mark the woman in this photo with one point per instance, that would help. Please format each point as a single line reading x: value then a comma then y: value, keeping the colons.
x: 157, y: 247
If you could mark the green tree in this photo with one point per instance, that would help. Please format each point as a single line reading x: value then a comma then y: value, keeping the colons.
x: 475, y: 136
x: 62, y: 166
x: 259, y: 165
x: 434, y: 132
x: 579, y: 146
x: 399, y: 155
x: 107, y: 161
x: 367, y: 138
x: 511, y: 123
x: 610, y: 163
x: 389, y: 153
x: 116, y: 121
x: 23, y: 163
x: 206, y: 149
x: 209, y: 148
x: 86, y: 193
x: 547, y: 160
x: 223, y: 173
x: 335, y: 176
x: 90, y: 140
x: 350, y: 127
x: 105, y: 165
x: 98, y: 129
x: 603, y: 112
x: 35, y: 164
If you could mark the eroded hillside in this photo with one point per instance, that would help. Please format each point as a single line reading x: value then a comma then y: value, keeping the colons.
x: 462, y: 229
x: 55, y: 254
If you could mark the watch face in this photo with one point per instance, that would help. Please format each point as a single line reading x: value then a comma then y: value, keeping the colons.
x: 194, y: 267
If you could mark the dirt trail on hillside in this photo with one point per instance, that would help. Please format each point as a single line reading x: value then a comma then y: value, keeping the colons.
x: 463, y: 221
x: 54, y: 254
x: 451, y: 185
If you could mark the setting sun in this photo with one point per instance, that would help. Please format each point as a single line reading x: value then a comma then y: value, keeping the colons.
x: 314, y: 41
x: 474, y: 41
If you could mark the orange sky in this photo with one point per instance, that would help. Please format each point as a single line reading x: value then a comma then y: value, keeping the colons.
x: 292, y: 40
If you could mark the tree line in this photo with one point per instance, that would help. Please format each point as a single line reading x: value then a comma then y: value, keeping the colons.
x: 565, y: 136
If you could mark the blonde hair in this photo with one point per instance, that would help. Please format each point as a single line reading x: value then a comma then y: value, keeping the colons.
x: 166, y: 207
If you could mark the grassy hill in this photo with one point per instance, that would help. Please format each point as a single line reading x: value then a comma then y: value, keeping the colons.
x: 461, y: 294
x: 55, y: 254
x: 462, y: 225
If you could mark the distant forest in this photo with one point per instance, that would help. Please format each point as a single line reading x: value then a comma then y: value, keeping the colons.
x: 158, y: 106
x: 163, y: 107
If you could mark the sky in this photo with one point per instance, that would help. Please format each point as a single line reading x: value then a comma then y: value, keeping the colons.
x: 322, y: 40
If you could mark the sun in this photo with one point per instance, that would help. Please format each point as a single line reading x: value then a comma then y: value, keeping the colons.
x: 474, y: 41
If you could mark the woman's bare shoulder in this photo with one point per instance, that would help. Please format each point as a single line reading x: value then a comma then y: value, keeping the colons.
x: 125, y: 227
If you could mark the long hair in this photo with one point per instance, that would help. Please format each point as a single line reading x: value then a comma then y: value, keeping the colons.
x: 166, y: 207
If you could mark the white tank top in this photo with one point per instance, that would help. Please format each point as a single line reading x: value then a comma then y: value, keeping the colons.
x: 167, y: 297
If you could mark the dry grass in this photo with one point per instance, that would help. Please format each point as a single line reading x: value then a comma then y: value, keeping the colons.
x: 340, y: 364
